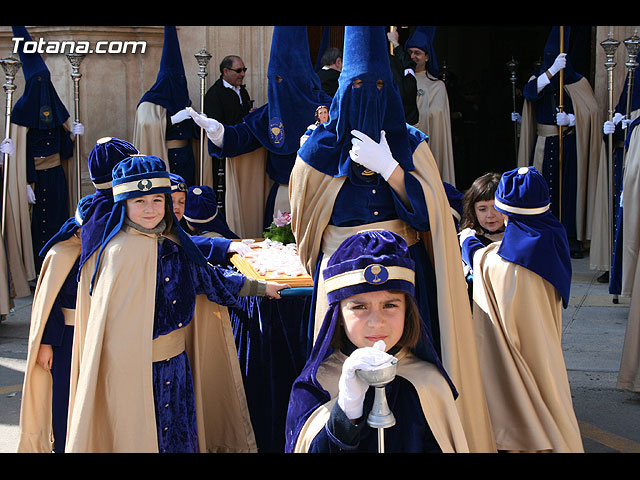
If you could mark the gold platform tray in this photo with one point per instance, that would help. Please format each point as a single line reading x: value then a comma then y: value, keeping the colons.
x: 244, y: 266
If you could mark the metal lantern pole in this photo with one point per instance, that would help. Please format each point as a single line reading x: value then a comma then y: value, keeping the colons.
x: 202, y: 57
x: 76, y: 59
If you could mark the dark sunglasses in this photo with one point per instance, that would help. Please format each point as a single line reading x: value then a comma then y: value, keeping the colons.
x: 238, y: 70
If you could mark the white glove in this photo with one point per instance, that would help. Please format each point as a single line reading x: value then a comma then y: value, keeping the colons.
x: 608, y: 127
x: 7, y: 146
x: 31, y: 196
x: 77, y: 128
x: 239, y: 247
x: 558, y: 64
x: 214, y: 129
x: 181, y: 116
x: 565, y: 119
x: 352, y: 388
x: 466, y: 233
x: 374, y: 156
x: 516, y: 117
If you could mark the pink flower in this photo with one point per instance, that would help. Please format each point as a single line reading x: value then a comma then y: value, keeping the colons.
x: 282, y: 219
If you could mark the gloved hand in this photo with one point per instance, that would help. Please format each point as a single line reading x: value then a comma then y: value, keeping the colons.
x: 565, y: 119
x: 214, y: 129
x: 180, y: 116
x: 351, y: 388
x: 374, y: 156
x: 516, y: 117
x: 31, y: 196
x: 77, y: 128
x: 239, y: 247
x: 466, y: 233
x: 558, y: 64
x: 7, y: 146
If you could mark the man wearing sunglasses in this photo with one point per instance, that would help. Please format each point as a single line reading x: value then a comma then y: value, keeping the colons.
x: 228, y: 100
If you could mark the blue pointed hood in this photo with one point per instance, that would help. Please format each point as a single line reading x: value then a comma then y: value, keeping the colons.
x: 422, y: 38
x: 39, y: 106
x: 170, y: 90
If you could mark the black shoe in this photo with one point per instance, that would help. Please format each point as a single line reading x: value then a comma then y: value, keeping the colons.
x: 577, y: 254
x: 604, y: 278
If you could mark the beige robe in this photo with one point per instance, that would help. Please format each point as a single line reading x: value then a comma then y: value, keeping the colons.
x: 313, y: 196
x: 35, y: 434
x: 589, y: 145
x: 435, y: 121
x: 111, y: 405
x: 518, y: 321
x: 433, y: 390
x: 629, y: 374
x: 149, y: 137
x: 246, y: 192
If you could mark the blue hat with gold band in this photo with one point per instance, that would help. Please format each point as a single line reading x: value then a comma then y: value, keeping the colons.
x: 201, y: 211
x: 133, y: 177
x: 72, y: 224
x: 177, y: 183
x: 370, y: 261
x: 533, y: 238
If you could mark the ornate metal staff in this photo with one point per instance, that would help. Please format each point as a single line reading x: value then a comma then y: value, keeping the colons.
x: 10, y: 66
x: 632, y: 45
x: 610, y: 45
x: 202, y: 57
x: 513, y: 67
x: 76, y: 59
x: 560, y: 109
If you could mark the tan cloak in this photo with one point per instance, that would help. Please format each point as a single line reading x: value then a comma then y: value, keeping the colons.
x: 246, y: 192
x: 629, y: 374
x: 589, y: 144
x: 111, y: 405
x: 435, y: 121
x: 35, y: 434
x: 313, y: 196
x: 518, y: 322
x: 149, y: 137
x: 433, y: 390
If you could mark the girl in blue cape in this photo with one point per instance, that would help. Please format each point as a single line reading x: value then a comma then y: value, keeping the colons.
x: 141, y: 386
x: 367, y: 169
x: 373, y: 320
x: 520, y: 286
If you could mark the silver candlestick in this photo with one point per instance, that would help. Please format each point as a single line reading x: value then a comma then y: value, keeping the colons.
x: 380, y: 416
x: 76, y: 59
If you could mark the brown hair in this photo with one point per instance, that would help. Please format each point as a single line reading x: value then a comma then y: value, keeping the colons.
x: 410, y: 334
x: 483, y: 188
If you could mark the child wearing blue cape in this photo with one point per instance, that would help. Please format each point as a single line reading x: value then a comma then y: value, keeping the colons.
x: 372, y: 321
x: 520, y: 287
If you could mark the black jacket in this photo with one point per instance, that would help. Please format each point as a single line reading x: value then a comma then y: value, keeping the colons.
x: 223, y: 104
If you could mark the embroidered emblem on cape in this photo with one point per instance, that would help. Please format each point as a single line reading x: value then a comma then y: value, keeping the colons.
x: 45, y: 114
x: 420, y: 92
x: 376, y: 274
x: 144, y: 185
x: 276, y: 131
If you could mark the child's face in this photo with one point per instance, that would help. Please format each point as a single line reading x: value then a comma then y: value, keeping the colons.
x: 178, y: 199
x: 488, y: 217
x: 147, y: 211
x: 372, y: 316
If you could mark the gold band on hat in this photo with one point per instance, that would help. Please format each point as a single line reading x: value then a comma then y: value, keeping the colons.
x: 145, y: 184
x: 520, y: 210
x: 356, y: 277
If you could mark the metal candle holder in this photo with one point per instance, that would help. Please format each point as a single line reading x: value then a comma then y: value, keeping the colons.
x: 512, y: 65
x: 76, y: 59
x: 202, y: 57
x: 10, y: 65
x: 380, y: 416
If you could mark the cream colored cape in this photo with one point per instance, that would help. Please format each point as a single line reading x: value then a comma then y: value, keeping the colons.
x: 629, y: 374
x: 111, y: 405
x: 601, y: 236
x: 518, y: 322
x: 435, y: 121
x: 246, y: 192
x: 589, y: 145
x: 433, y: 390
x: 149, y: 137
x: 313, y: 195
x: 35, y: 434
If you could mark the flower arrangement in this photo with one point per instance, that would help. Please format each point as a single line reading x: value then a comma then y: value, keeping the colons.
x: 280, y: 229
